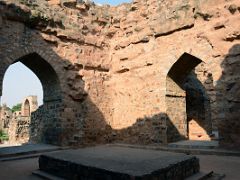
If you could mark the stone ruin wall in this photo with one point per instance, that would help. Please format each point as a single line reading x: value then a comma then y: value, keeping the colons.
x: 115, y: 61
x: 5, y: 116
x: 18, y: 130
x: 17, y: 124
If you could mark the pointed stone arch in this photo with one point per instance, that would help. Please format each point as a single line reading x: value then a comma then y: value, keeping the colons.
x: 46, y: 74
x: 29, y: 105
x: 48, y: 116
x: 186, y: 101
x: 26, y: 108
x: 50, y: 122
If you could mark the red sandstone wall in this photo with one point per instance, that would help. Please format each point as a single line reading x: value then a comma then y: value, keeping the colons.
x: 116, y: 60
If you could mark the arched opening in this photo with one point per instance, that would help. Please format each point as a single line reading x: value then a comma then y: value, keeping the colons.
x: 46, y: 74
x: 199, y: 124
x: 26, y: 107
x: 32, y: 122
x: 188, y: 105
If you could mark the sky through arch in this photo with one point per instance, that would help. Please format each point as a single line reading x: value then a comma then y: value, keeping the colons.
x: 18, y: 83
x: 112, y: 2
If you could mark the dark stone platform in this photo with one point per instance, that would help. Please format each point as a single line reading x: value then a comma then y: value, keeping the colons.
x: 118, y: 163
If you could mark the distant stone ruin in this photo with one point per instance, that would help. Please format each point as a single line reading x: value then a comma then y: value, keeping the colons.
x: 17, y: 124
x: 143, y: 72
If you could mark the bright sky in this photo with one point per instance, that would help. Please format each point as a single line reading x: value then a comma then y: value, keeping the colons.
x: 19, y: 81
x: 112, y: 2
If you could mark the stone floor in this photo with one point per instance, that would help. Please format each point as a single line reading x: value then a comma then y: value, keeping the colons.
x: 19, y: 169
x: 228, y: 165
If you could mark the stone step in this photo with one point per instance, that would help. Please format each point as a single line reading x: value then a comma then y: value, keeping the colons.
x: 198, y: 176
x: 194, y: 144
x: 220, y: 152
x: 73, y: 143
x: 206, y: 176
x: 26, y: 156
x: 28, y: 149
x: 20, y: 157
x: 46, y: 175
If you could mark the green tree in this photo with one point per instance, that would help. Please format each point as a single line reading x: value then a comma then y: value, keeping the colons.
x: 3, y: 136
x: 17, y: 107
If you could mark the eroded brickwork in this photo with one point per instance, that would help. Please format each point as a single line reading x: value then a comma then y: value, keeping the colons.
x: 18, y: 130
x: 103, y: 68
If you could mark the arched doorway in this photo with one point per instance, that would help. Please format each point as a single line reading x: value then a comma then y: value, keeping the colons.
x: 46, y: 118
x: 26, y: 108
x: 187, y: 102
x: 46, y: 74
x: 198, y: 109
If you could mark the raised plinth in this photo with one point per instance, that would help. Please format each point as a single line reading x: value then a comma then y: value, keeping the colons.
x: 118, y: 163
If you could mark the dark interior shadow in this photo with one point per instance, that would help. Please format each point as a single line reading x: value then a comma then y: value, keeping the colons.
x: 147, y: 130
x: 198, y: 108
x: 228, y: 99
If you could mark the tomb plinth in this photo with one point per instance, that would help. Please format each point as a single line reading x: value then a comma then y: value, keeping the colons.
x: 118, y: 163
